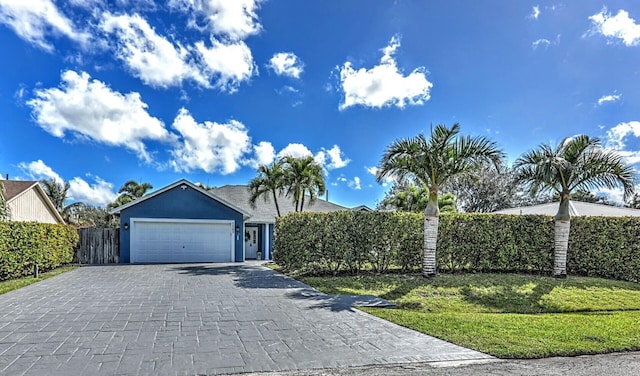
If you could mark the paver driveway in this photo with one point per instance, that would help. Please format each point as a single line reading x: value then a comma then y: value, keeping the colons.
x: 194, y: 319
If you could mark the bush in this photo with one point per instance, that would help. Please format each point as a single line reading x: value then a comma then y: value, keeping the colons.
x: 355, y: 241
x: 23, y: 244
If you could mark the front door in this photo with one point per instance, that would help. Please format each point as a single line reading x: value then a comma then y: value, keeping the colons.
x: 250, y: 242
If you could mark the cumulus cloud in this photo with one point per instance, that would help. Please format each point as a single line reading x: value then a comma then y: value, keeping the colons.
x: 620, y: 26
x: 383, y: 85
x: 264, y: 154
x: 89, y: 109
x: 355, y: 183
x: 535, y: 12
x: 209, y: 146
x: 32, y: 20
x: 100, y: 192
x: 235, y: 20
x: 229, y: 64
x: 609, y: 99
x: 617, y: 137
x: 286, y: 64
x: 332, y: 158
x: 37, y: 170
x: 374, y: 171
x: 150, y: 56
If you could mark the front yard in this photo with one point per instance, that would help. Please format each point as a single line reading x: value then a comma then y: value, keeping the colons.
x: 506, y: 315
x: 14, y: 284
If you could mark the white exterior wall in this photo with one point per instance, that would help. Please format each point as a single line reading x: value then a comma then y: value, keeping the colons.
x: 30, y: 207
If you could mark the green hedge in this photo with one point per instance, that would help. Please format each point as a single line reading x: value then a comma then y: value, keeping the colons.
x: 353, y: 241
x: 22, y: 244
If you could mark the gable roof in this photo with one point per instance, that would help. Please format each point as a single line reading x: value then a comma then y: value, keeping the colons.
x: 16, y: 188
x: 576, y: 208
x: 244, y: 213
x: 265, y: 212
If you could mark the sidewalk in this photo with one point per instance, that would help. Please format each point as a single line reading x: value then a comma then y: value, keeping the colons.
x: 618, y: 364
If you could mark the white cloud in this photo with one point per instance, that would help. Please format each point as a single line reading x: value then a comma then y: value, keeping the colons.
x: 209, y: 146
x: 231, y: 64
x: 295, y: 151
x: 540, y: 43
x: 336, y: 159
x: 264, y: 154
x: 286, y: 64
x: 37, y: 170
x: 383, y: 85
x: 151, y: 57
x: 620, y: 26
x: 91, y: 110
x: 32, y: 20
x: 235, y: 20
x: 355, y: 184
x: 609, y: 99
x: 617, y: 134
x: 100, y: 192
x: 535, y: 12
x: 374, y: 171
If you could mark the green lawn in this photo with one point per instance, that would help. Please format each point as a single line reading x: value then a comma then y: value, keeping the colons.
x: 14, y: 284
x: 507, y: 315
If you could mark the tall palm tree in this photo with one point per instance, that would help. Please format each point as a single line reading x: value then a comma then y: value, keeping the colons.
x: 577, y: 163
x: 270, y: 181
x: 56, y: 191
x: 303, y: 176
x: 134, y: 190
x: 431, y: 162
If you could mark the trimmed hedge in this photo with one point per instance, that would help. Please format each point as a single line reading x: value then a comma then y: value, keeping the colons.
x: 22, y: 244
x: 354, y: 241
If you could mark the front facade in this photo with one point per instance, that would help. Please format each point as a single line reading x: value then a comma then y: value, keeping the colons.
x: 181, y: 223
x: 27, y: 202
x: 185, y: 223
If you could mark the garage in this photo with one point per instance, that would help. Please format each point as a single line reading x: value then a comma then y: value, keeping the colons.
x: 173, y: 241
x: 181, y: 223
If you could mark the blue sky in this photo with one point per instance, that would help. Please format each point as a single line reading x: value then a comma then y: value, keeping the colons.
x: 100, y: 92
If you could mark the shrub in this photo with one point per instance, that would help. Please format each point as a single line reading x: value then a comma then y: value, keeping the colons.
x: 23, y: 244
x: 468, y: 242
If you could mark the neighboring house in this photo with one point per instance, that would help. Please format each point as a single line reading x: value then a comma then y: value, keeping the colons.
x: 186, y: 223
x: 576, y: 208
x: 363, y: 208
x: 27, y: 202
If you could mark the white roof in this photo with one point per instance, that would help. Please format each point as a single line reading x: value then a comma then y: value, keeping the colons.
x: 576, y: 208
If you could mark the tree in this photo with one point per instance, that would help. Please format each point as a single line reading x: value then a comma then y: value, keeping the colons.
x: 131, y: 190
x: 57, y: 192
x: 270, y: 181
x: 634, y: 201
x: 303, y: 176
x: 403, y: 197
x: 577, y: 163
x: 431, y: 162
x: 5, y: 211
x: 81, y: 214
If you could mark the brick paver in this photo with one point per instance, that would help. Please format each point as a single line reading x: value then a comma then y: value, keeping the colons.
x: 194, y: 319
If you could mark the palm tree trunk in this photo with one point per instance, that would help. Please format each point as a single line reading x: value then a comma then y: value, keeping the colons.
x: 430, y: 241
x: 561, y: 240
x: 275, y: 200
x: 302, y: 203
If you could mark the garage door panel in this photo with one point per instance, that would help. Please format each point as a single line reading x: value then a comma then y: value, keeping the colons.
x: 182, y: 241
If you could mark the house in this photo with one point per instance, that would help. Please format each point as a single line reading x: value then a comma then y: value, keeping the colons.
x: 27, y: 202
x: 183, y: 222
x: 576, y: 208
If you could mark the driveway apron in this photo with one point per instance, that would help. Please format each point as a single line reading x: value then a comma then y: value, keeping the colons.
x: 195, y: 319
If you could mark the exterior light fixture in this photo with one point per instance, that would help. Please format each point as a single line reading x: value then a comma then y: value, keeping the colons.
x: 237, y: 228
x: 126, y: 226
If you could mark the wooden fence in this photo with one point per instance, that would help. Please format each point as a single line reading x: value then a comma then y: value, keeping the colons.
x: 98, y: 246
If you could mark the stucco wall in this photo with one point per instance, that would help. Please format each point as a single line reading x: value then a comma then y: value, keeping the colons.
x: 180, y: 204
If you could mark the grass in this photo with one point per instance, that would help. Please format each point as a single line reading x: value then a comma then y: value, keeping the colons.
x: 506, y: 315
x: 14, y: 284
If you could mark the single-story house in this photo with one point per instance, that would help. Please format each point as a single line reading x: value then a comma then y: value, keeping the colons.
x: 576, y: 208
x: 28, y: 202
x: 183, y: 222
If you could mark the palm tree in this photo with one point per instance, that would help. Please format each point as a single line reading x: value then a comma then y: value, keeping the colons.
x: 303, y: 176
x: 56, y: 191
x: 577, y: 163
x: 430, y: 162
x: 134, y: 190
x: 270, y: 181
